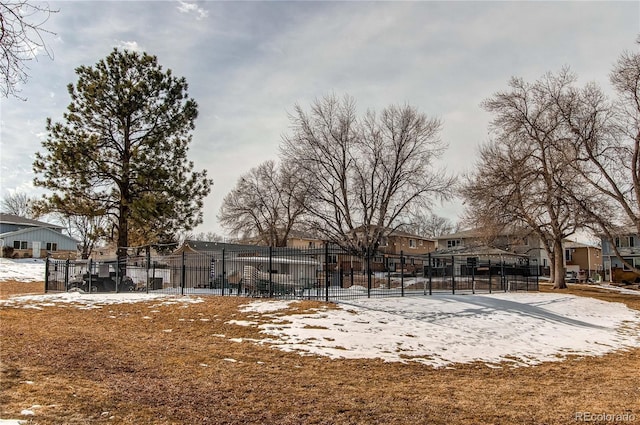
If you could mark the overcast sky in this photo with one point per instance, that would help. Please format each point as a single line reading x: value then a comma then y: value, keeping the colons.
x: 249, y: 63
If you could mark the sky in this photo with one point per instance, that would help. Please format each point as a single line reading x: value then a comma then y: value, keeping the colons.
x: 249, y: 63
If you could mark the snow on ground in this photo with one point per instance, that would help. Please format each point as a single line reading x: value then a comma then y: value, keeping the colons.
x: 439, y: 330
x: 89, y: 301
x: 520, y: 328
x: 24, y: 270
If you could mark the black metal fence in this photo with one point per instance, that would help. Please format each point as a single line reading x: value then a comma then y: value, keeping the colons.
x: 324, y: 274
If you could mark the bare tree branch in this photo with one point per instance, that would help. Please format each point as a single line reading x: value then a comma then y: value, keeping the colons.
x: 22, y: 36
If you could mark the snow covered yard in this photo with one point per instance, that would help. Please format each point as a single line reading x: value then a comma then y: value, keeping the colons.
x: 22, y: 270
x: 436, y: 353
x: 520, y: 329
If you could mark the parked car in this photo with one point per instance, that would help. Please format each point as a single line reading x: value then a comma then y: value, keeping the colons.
x: 95, y: 283
x: 571, y: 277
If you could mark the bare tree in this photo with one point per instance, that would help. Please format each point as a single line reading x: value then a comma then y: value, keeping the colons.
x: 429, y: 225
x: 21, y: 40
x: 523, y: 177
x: 204, y: 237
x: 606, y: 137
x: 89, y: 230
x: 266, y: 202
x: 365, y: 173
x: 21, y: 204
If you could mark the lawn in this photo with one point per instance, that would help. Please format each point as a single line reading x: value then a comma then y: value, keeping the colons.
x: 176, y: 361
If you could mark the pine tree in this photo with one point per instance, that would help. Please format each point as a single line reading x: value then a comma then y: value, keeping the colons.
x: 121, y: 150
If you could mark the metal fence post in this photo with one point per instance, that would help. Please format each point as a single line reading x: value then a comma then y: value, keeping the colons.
x: 473, y: 277
x: 326, y: 271
x: 183, y: 274
x: 224, y: 274
x: 453, y: 275
x: 66, y: 274
x: 153, y: 276
x: 89, y: 273
x: 369, y: 278
x: 148, y: 265
x: 270, y: 270
x: 46, y: 274
x: 402, y: 263
x: 386, y: 260
x: 503, y: 278
x: 117, y: 276
x: 430, y: 276
x: 489, y: 276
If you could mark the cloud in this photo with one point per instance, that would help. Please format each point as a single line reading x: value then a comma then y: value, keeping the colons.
x: 248, y: 63
x: 186, y: 7
x: 129, y: 45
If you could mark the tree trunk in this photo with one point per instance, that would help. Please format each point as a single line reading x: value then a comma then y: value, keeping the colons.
x: 123, y: 240
x: 558, y: 266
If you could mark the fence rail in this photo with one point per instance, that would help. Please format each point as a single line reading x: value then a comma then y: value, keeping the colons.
x: 323, y: 274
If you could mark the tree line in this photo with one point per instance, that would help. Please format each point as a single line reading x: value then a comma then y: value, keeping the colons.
x: 561, y: 158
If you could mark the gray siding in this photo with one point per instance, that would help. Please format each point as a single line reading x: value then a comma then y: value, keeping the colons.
x: 44, y: 236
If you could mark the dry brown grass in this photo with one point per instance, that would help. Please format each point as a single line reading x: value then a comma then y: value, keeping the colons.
x: 114, y: 365
x: 10, y: 288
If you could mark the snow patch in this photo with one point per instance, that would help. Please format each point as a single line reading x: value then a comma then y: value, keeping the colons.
x: 519, y: 328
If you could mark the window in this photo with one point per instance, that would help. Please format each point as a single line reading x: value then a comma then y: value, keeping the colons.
x: 52, y: 246
x: 568, y: 255
x: 412, y: 243
x: 19, y: 244
x: 384, y: 241
x: 453, y: 243
x: 625, y: 242
x: 630, y: 261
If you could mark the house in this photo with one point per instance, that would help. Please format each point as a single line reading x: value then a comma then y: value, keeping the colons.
x: 303, y: 240
x: 397, y: 242
x: 627, y: 241
x: 517, y: 242
x: 583, y: 259
x: 22, y: 237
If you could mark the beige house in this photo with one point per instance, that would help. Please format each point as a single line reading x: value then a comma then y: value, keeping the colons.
x: 518, y: 242
x: 407, y: 243
x: 583, y: 259
x: 302, y: 240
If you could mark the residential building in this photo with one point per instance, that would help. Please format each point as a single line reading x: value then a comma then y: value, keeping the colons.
x: 583, y: 259
x: 516, y: 242
x: 22, y: 237
x: 627, y: 241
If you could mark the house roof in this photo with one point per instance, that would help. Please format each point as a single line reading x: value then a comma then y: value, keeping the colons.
x: 298, y: 234
x: 33, y: 229
x: 23, y: 221
x: 475, y: 251
x: 573, y: 244
x: 470, y: 233
x: 480, y: 232
x: 403, y: 234
x: 397, y: 232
